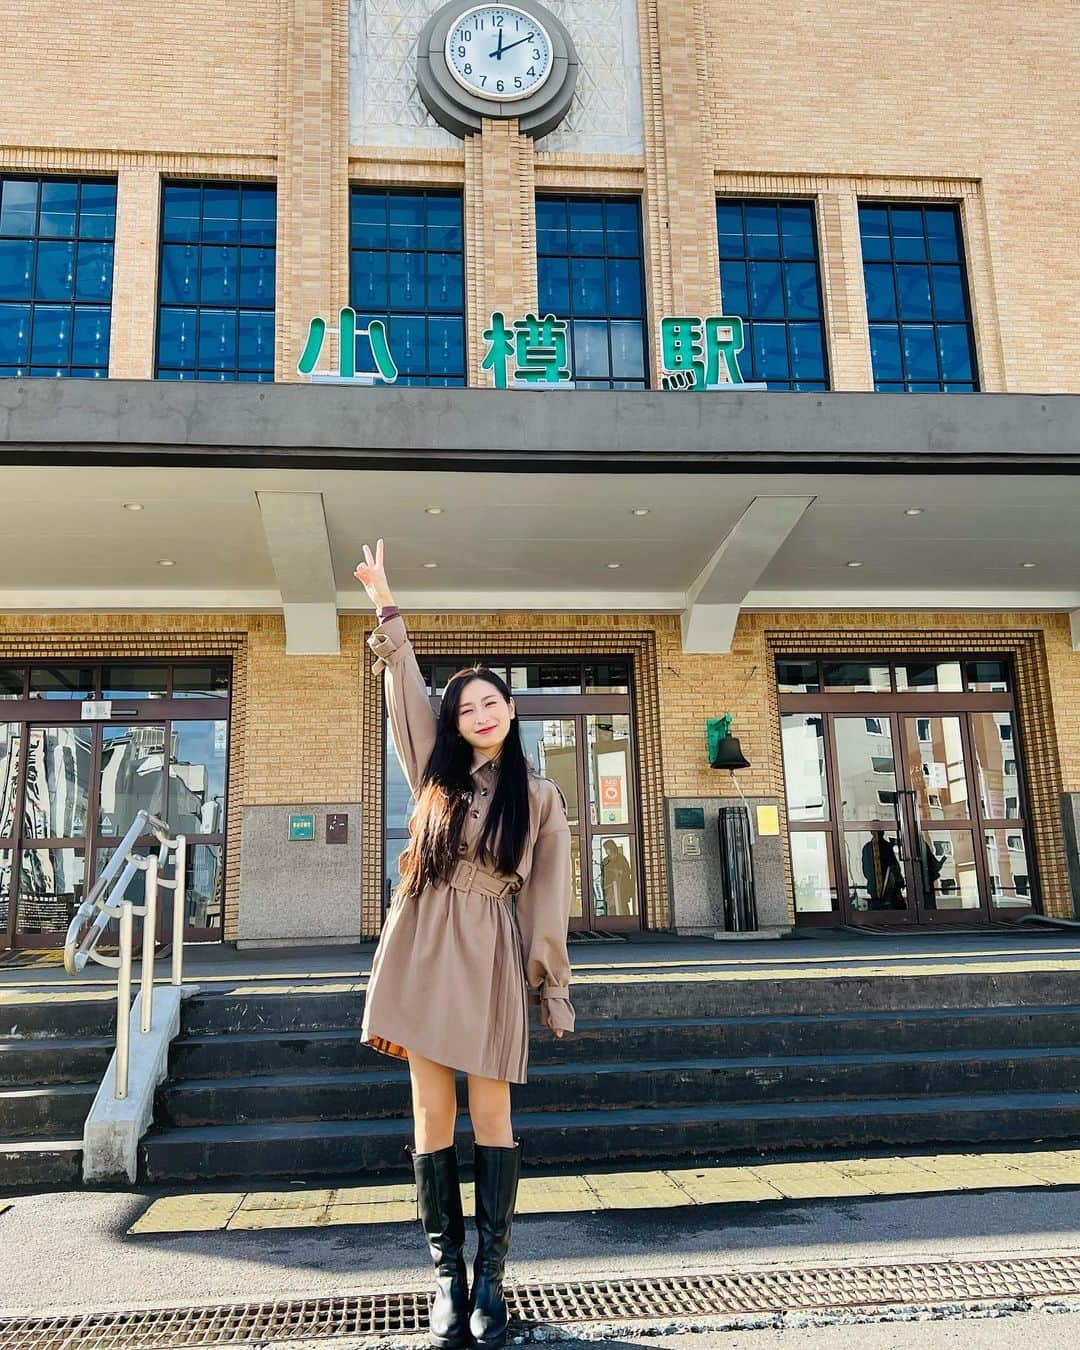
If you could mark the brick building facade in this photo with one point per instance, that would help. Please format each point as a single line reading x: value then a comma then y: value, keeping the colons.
x: 871, y: 117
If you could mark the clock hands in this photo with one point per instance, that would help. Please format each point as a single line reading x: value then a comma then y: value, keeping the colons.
x: 510, y: 45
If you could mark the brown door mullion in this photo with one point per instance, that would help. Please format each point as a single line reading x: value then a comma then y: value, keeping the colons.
x: 975, y: 814
x: 581, y: 737
x: 17, y: 832
x: 836, y: 814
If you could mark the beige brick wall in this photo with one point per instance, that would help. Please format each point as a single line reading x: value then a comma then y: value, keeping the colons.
x: 962, y: 100
x: 308, y: 729
x: 198, y: 77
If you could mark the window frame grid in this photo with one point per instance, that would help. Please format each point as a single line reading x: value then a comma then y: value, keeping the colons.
x: 791, y: 384
x: 610, y: 382
x: 69, y: 369
x: 237, y: 372
x: 429, y: 379
x: 968, y: 323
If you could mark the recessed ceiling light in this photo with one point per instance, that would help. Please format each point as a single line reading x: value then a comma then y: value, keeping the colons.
x: 166, y: 562
x: 914, y: 511
x: 433, y: 510
x: 614, y: 565
x: 1027, y: 564
x: 640, y: 511
x: 854, y: 564
x: 133, y: 506
x: 432, y: 564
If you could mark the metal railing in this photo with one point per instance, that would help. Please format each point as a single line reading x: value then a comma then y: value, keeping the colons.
x: 107, y: 900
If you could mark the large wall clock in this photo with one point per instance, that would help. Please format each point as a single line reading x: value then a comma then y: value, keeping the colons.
x: 476, y: 61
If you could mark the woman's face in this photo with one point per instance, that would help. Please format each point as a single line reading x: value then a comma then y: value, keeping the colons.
x: 484, y: 716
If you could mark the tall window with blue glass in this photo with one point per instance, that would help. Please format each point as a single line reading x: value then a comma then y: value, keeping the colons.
x: 217, y: 282
x: 56, y: 274
x: 770, y: 278
x: 407, y: 268
x: 921, y: 334
x: 590, y: 271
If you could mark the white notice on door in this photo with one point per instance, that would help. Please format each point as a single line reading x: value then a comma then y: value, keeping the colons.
x: 96, y: 710
x: 939, y: 776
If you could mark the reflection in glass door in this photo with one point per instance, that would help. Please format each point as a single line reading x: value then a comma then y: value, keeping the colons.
x: 576, y: 729
x: 70, y: 789
x: 904, y: 795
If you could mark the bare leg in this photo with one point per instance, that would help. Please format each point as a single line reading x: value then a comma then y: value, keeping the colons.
x: 434, y: 1103
x: 489, y: 1111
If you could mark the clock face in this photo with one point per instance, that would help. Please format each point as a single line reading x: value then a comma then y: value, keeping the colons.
x: 499, y: 52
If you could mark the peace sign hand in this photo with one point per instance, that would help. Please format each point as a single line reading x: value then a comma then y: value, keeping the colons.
x: 372, y: 576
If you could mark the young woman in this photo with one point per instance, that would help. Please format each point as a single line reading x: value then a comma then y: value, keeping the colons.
x: 479, y: 915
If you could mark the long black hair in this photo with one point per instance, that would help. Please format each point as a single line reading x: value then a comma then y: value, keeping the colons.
x: 445, y: 790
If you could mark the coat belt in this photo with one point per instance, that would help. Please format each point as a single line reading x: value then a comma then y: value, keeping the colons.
x: 470, y: 876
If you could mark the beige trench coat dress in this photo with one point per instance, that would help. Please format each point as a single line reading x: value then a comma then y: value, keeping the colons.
x: 453, y: 970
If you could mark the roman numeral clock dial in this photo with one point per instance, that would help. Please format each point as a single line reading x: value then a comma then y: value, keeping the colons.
x: 499, y: 52
x: 477, y: 63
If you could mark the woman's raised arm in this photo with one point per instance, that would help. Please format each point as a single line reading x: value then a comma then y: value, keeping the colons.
x: 412, y: 718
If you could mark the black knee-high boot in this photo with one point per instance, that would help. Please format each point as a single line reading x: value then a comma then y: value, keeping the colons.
x: 497, y: 1171
x: 438, y: 1202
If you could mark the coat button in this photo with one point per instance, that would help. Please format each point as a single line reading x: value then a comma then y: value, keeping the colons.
x: 483, y: 792
x: 476, y: 815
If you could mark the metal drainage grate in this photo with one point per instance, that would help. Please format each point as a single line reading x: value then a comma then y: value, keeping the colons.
x: 644, y: 1300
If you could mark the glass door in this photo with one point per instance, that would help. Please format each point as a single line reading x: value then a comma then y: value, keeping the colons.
x: 55, y: 817
x: 905, y: 794
x: 939, y: 819
x: 576, y: 729
x: 69, y: 788
x: 875, y: 870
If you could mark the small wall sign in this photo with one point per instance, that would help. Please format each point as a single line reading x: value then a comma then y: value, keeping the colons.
x: 768, y: 820
x: 301, y: 828
x: 96, y: 710
x: 337, y: 827
x: 689, y: 817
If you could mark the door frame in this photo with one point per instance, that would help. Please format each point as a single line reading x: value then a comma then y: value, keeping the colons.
x: 43, y: 712
x: 554, y: 707
x: 897, y: 706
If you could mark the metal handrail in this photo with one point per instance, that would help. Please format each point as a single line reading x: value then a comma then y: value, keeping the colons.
x: 107, y: 901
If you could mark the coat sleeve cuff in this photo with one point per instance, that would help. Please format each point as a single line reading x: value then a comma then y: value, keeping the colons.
x: 557, y: 1013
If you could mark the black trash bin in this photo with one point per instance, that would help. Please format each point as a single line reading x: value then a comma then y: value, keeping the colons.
x: 737, y: 870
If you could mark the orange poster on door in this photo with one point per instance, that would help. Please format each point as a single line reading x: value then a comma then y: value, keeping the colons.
x: 611, y: 792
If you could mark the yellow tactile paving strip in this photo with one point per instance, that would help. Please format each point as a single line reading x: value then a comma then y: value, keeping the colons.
x: 666, y: 1189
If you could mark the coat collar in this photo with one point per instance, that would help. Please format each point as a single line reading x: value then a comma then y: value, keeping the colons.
x: 481, y: 762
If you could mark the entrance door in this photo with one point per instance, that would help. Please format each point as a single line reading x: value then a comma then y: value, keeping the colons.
x: 904, y: 801
x: 909, y: 832
x: 69, y: 789
x: 576, y: 727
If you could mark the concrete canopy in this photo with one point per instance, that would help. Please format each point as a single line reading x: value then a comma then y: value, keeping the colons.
x: 261, y: 497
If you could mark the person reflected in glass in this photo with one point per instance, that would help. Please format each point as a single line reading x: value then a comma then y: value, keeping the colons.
x: 881, y: 868
x: 617, y: 879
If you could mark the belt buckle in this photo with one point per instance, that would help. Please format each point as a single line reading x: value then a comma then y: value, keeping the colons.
x: 465, y: 881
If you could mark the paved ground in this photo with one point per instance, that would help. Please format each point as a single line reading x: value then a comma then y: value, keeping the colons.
x: 75, y: 1250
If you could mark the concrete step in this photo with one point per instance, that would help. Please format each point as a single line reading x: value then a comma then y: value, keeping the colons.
x: 45, y: 1111
x: 350, y: 1148
x: 55, y: 1164
x: 956, y: 987
x: 243, y: 1054
x: 621, y: 1086
x: 62, y: 1018
x: 54, y: 1059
